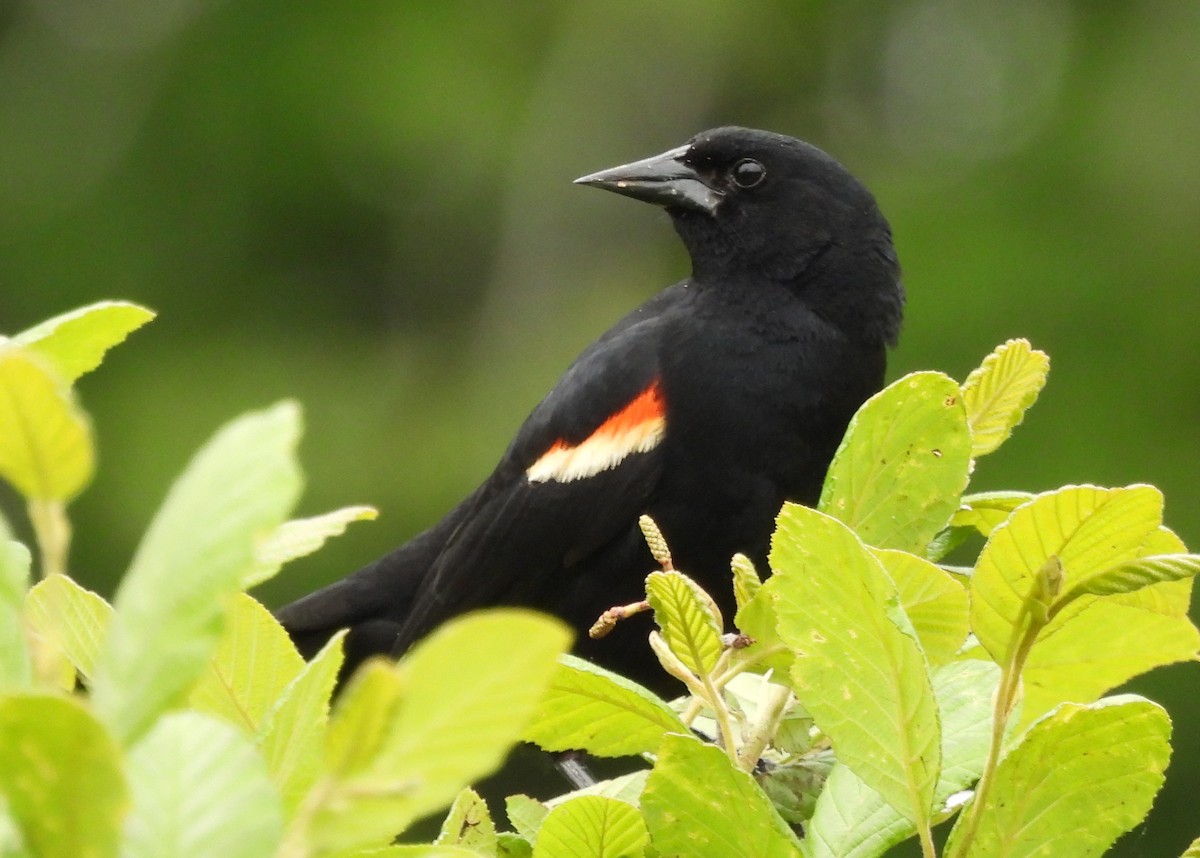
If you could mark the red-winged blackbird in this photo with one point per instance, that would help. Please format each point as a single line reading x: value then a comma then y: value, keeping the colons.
x: 707, y: 407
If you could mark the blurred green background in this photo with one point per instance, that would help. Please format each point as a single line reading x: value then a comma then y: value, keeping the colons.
x: 367, y: 206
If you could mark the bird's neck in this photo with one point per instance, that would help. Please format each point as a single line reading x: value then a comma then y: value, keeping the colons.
x: 856, y: 290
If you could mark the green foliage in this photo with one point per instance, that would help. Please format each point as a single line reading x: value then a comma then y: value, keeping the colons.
x: 198, y: 729
x: 859, y: 667
x: 868, y: 693
x: 46, y: 449
x: 1080, y: 776
x: 722, y: 810
x: 589, y: 707
x: 925, y: 680
x: 903, y: 464
x: 61, y: 772
x: 201, y: 790
x: 592, y: 826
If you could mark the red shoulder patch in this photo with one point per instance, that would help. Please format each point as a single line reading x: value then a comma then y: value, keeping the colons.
x: 637, y: 428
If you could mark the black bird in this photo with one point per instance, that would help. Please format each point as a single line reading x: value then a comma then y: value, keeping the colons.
x: 707, y: 407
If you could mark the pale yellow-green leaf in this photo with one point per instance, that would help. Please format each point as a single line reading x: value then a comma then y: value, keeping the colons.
x: 898, y: 474
x: 627, y: 788
x: 292, y: 735
x: 200, y: 790
x: 1193, y: 851
x: 592, y: 827
x: 254, y: 662
x: 362, y: 718
x: 1000, y: 391
x: 299, y: 538
x: 1097, y: 643
x: 171, y: 606
x: 688, y: 618
x: 852, y: 820
x: 75, y: 342
x: 1088, y: 529
x: 985, y: 511
x: 464, y: 695
x: 745, y: 580
x: 591, y: 709
x: 412, y: 850
x: 1134, y: 574
x: 69, y: 618
x: 468, y: 824
x: 46, y: 448
x: 756, y: 619
x: 726, y: 813
x: 936, y: 604
x: 60, y: 772
x: 859, y: 670
x: 526, y: 815
x: 15, y: 666
x: 1079, y: 778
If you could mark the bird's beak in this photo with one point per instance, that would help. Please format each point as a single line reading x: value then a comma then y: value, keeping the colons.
x: 664, y: 180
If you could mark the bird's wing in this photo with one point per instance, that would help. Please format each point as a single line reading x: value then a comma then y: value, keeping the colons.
x: 580, y: 471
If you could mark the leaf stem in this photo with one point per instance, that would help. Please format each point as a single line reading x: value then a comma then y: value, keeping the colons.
x: 717, y: 701
x: 928, y: 850
x: 766, y: 724
x: 1036, y: 613
x: 52, y: 529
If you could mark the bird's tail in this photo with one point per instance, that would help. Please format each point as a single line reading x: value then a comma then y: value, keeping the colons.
x: 372, y: 602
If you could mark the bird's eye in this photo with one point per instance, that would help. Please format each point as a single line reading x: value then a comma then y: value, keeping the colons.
x: 747, y: 173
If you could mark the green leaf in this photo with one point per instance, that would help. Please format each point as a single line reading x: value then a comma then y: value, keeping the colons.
x: 75, y: 342
x: 1080, y: 777
x: 899, y: 472
x: 299, y: 538
x: 200, y: 791
x: 627, y: 788
x: 726, y: 813
x: 363, y: 718
x: 15, y: 669
x: 860, y: 675
x: 1088, y: 529
x: 852, y: 820
x: 46, y: 448
x: 688, y: 618
x: 293, y: 733
x: 591, y: 709
x: 756, y: 619
x: 793, y: 787
x: 526, y: 815
x: 1193, y: 851
x: 1000, y: 391
x: 468, y: 824
x: 171, y: 606
x: 513, y: 846
x: 60, y: 771
x: 935, y: 603
x: 468, y: 691
x: 1096, y: 644
x: 986, y: 511
x: 70, y: 618
x: 425, y: 850
x: 254, y: 662
x: 746, y: 582
x: 1138, y: 573
x: 1092, y: 643
x: 592, y: 827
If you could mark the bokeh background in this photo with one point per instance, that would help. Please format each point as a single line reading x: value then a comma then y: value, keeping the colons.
x: 367, y: 206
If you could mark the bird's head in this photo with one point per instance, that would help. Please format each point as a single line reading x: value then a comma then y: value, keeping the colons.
x: 753, y: 204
